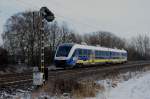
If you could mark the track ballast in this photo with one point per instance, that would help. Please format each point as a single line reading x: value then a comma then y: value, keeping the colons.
x: 77, y: 73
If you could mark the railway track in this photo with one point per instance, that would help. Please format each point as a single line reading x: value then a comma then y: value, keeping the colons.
x: 23, y: 78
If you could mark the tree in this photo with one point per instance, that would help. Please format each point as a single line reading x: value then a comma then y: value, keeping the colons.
x: 22, y: 36
x: 141, y: 44
x: 105, y: 39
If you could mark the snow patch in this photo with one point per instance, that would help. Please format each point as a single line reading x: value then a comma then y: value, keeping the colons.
x: 135, y: 85
x: 135, y: 88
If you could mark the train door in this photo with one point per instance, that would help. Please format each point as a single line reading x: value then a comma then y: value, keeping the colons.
x: 92, y: 56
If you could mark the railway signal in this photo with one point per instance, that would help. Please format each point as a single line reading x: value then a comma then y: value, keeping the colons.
x: 48, y: 16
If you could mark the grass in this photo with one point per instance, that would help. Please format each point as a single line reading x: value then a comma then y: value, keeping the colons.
x: 80, y: 89
x: 71, y: 88
x: 87, y: 88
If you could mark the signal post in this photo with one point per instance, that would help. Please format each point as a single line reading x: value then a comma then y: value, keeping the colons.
x: 42, y: 75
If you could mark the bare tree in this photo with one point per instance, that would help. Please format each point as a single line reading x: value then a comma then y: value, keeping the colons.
x: 105, y: 39
x: 22, y: 36
x: 141, y: 44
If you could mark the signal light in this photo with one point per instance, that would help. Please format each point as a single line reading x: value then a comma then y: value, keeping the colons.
x: 47, y: 14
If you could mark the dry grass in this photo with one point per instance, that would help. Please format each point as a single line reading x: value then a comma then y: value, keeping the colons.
x: 146, y: 68
x: 87, y: 88
x: 79, y: 89
x: 76, y: 90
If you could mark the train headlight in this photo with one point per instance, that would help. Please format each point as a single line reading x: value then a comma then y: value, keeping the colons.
x: 75, y: 58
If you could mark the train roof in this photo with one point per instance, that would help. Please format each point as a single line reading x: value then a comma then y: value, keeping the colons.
x: 94, y: 47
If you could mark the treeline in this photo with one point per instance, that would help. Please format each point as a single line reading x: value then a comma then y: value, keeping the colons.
x: 22, y: 40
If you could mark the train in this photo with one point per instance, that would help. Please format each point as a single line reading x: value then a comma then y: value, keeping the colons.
x: 70, y: 55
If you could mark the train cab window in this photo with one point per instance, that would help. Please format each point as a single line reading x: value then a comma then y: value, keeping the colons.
x: 63, y: 51
x: 75, y: 53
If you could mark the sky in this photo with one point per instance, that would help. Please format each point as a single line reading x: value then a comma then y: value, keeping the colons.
x: 124, y: 18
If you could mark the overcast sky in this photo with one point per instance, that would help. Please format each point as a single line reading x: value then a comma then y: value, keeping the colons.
x: 124, y: 18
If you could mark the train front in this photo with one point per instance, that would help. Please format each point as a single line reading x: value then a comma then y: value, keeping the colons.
x: 63, y: 56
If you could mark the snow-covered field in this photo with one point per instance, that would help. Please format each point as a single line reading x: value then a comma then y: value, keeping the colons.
x: 131, y: 85
x: 138, y: 87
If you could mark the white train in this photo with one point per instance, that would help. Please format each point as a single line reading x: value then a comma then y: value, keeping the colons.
x: 70, y: 55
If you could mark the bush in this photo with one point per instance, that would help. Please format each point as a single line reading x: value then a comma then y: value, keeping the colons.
x: 3, y: 56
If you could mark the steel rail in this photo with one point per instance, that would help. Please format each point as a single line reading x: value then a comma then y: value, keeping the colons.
x: 8, y: 81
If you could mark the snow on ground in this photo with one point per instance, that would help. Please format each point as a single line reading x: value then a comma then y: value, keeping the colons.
x: 131, y: 85
x: 137, y: 87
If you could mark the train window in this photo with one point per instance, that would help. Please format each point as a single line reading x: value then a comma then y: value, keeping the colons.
x: 100, y: 53
x: 124, y: 54
x: 119, y: 54
x: 96, y: 53
x: 80, y: 52
x: 89, y: 52
x: 75, y: 53
x: 107, y: 53
x: 104, y: 53
x: 63, y: 51
x: 113, y: 54
x: 85, y: 52
x: 116, y: 54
